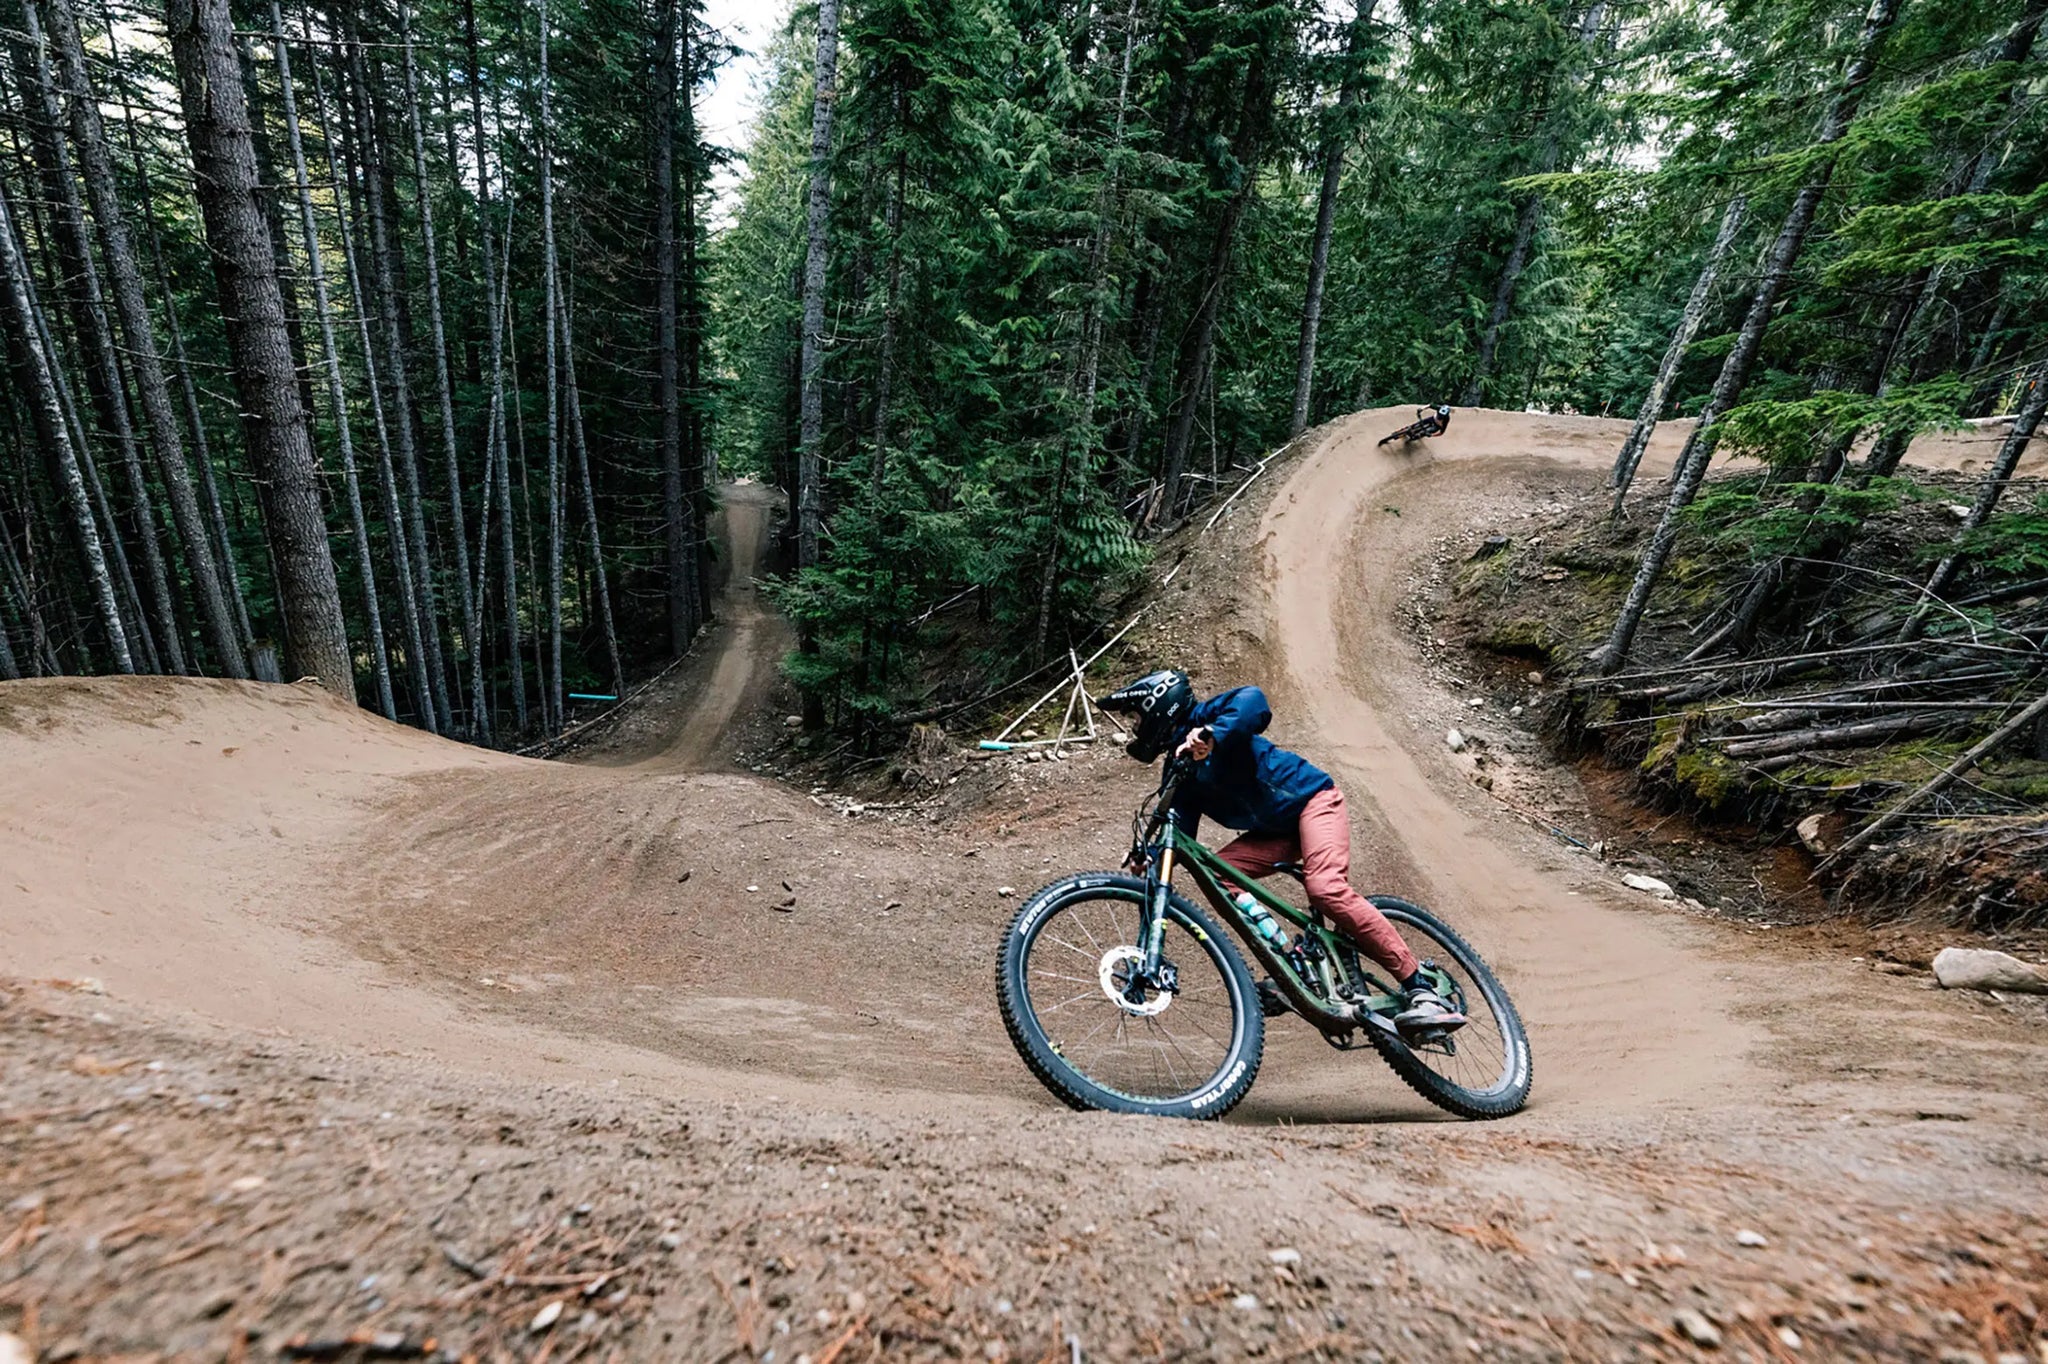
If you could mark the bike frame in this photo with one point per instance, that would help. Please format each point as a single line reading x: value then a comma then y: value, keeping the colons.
x: 1314, y: 995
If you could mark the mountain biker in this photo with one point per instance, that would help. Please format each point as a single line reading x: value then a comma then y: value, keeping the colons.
x: 1438, y: 419
x: 1289, y: 811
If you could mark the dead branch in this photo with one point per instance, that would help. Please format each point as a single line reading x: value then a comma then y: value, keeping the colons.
x: 1862, y: 838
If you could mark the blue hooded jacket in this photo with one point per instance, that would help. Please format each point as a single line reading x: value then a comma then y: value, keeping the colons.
x: 1248, y: 782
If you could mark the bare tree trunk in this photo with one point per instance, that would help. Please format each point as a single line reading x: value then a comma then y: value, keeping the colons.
x: 19, y: 290
x: 128, y: 599
x: 1199, y: 355
x: 1336, y: 134
x: 885, y: 358
x: 1510, y: 281
x: 581, y: 446
x: 472, y: 638
x: 2024, y: 425
x: 384, y: 280
x: 103, y: 369
x: 817, y: 211
x: 1525, y: 232
x: 1688, y: 326
x: 418, y: 663
x: 1079, y: 442
x: 540, y: 666
x: 811, y: 366
x: 42, y: 656
x: 700, y: 461
x: 494, y: 276
x: 268, y: 177
x: 245, y: 266
x: 678, y: 537
x: 10, y: 671
x: 1890, y: 448
x: 1699, y: 446
x: 145, y: 364
x: 227, y: 570
x: 553, y: 296
x: 508, y: 555
x: 337, y: 394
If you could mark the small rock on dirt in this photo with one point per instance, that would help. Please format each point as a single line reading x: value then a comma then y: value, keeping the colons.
x: 1246, y: 1302
x: 1980, y: 968
x: 1755, y: 1240
x: 1809, y: 831
x: 1697, y: 1329
x: 1490, y: 546
x: 14, y: 1350
x: 546, y: 1317
x: 1006, y: 891
x: 1455, y: 741
x: 793, y: 721
x: 1649, y: 885
x: 1285, y: 1255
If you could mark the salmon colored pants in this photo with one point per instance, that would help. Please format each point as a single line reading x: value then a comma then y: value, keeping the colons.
x: 1322, y: 845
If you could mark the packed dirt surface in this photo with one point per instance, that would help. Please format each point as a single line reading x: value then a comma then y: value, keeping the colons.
x: 323, y: 1035
x: 685, y: 720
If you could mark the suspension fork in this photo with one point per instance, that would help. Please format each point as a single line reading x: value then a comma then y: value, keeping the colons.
x: 1152, y: 931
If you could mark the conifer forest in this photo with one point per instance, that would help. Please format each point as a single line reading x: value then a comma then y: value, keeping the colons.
x: 405, y: 343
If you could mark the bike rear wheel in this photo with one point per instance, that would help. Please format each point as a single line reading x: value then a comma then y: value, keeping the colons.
x: 1064, y: 984
x: 1483, y: 1070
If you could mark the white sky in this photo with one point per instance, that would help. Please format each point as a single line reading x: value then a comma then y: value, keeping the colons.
x: 726, y: 109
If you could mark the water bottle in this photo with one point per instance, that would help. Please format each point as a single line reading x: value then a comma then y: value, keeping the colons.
x: 1261, y: 919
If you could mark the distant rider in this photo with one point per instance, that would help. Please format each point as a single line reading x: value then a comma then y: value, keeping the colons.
x: 1290, y: 810
x: 1435, y: 420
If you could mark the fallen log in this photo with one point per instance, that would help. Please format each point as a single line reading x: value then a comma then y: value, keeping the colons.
x: 1775, y: 720
x: 1894, y: 726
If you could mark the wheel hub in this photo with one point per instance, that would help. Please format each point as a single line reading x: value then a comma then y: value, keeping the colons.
x: 1121, y: 973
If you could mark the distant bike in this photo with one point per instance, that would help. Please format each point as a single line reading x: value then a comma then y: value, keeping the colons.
x: 1121, y: 995
x: 1430, y: 421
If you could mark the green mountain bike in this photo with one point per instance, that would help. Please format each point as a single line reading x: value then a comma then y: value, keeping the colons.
x: 1122, y: 995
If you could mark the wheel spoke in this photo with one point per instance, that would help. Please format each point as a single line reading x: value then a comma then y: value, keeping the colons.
x: 1168, y: 1053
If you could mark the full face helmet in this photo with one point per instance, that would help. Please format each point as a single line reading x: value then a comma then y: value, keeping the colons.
x: 1159, y: 704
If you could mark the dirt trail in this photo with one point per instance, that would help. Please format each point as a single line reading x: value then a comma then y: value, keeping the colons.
x: 633, y: 914
x: 1620, y: 1013
x: 405, y: 998
x: 684, y: 722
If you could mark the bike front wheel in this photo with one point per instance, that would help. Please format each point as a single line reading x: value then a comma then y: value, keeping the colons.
x: 1185, y: 1047
x: 1483, y: 1070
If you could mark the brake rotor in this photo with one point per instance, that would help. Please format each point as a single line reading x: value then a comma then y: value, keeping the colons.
x: 1119, y: 965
